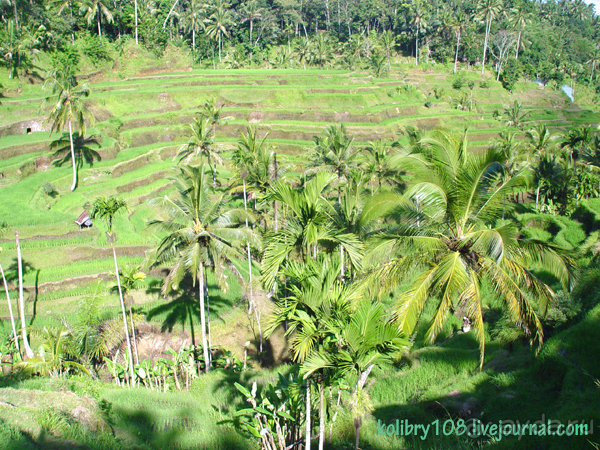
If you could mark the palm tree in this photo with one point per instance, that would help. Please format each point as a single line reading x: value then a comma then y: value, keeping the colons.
x: 129, y: 277
x: 26, y: 347
x: 201, y: 143
x: 321, y: 50
x: 487, y: 10
x: 519, y: 18
x: 387, y: 41
x: 515, y: 114
x: 303, y: 47
x: 251, y: 11
x: 308, y: 226
x: 69, y: 107
x: 420, y: 22
x: 460, y: 243
x: 593, y: 62
x: 192, y: 19
x: 214, y: 113
x: 381, y: 162
x: 457, y: 23
x: 3, y: 228
x: 200, y: 236
x: 106, y: 209
x: 334, y: 152
x: 220, y: 19
x: 541, y: 141
x: 95, y: 8
x: 317, y: 297
x: 364, y: 339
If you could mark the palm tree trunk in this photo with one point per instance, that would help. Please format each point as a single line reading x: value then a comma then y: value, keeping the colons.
x: 456, y: 56
x: 219, y: 47
x: 26, y: 347
x: 16, y: 15
x: 194, y: 38
x: 251, y: 30
x: 203, y: 317
x: 74, y: 185
x: 487, y: 31
x: 417, y: 47
x: 12, y: 317
x: 126, y: 328
x: 518, y: 42
x: 137, y: 355
x: 322, y: 416
x: 342, y: 261
x: 99, y: 29
x: 537, y: 196
x: 308, y: 427
x: 208, y: 324
x: 136, y: 21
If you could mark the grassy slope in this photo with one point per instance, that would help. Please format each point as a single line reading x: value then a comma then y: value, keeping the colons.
x: 140, y: 117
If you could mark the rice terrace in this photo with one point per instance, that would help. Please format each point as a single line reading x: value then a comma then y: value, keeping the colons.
x: 299, y: 225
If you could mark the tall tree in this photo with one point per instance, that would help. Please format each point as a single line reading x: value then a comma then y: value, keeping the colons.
x: 460, y: 243
x: 106, y: 209
x: 519, y: 19
x: 26, y: 347
x: 69, y: 107
x: 200, y: 236
x: 192, y: 19
x: 3, y: 228
x: 219, y: 21
x: 95, y: 9
x: 487, y: 11
x: 201, y: 143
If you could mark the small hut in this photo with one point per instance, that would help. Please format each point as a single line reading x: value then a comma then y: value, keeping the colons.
x: 84, y: 220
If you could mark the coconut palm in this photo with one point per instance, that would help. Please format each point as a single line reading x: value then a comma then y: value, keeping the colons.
x: 515, y: 115
x: 593, y: 62
x: 457, y: 23
x: 106, y: 209
x: 97, y: 9
x: 381, y: 162
x: 388, y: 40
x: 251, y: 11
x: 542, y: 142
x: 419, y: 21
x: 321, y: 50
x: 192, y: 19
x: 460, y: 243
x: 26, y: 347
x: 219, y: 21
x: 201, y: 143
x: 519, y: 18
x: 69, y: 107
x: 214, y: 113
x: 130, y: 277
x: 3, y: 228
x: 200, y: 236
x: 487, y: 11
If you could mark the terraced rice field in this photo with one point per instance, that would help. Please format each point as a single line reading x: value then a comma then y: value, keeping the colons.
x: 140, y: 123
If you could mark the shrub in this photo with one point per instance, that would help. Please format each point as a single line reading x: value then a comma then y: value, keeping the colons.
x: 94, y: 48
x: 563, y: 310
x: 587, y: 290
x: 484, y: 85
x: 457, y: 84
x: 49, y: 190
x: 428, y: 104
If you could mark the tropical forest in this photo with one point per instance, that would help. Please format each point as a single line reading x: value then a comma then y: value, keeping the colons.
x: 299, y: 224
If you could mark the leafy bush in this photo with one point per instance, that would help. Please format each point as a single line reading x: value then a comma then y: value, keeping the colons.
x: 428, y: 104
x: 587, y: 290
x: 484, y: 85
x: 49, y: 190
x: 69, y: 57
x: 563, y: 310
x: 457, y: 84
x: 94, y: 48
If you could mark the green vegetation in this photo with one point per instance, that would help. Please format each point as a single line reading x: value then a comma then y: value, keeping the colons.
x: 319, y: 221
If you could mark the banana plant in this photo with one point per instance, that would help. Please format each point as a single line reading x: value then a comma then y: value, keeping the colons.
x: 275, y: 417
